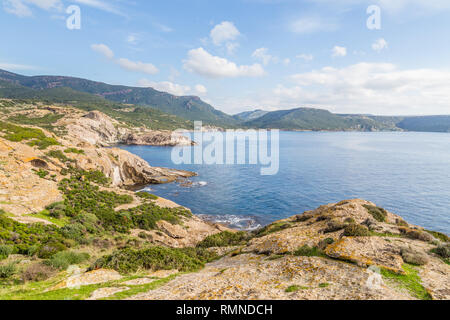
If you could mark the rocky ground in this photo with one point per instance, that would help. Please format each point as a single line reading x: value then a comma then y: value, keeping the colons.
x: 348, y: 250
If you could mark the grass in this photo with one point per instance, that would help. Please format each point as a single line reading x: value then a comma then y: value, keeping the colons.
x: 41, y: 173
x: 58, y: 154
x: 377, y: 213
x: 62, y: 260
x: 45, y: 215
x: 410, y: 281
x: 324, y: 285
x: 295, y: 288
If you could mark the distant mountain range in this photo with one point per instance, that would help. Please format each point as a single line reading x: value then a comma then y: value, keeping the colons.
x: 166, y: 110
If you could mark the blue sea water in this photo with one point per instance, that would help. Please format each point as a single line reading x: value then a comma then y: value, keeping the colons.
x: 406, y: 173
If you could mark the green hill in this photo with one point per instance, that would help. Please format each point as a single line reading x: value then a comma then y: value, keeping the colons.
x: 187, y: 107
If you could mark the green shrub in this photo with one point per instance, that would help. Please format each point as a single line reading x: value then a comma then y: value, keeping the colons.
x: 307, y: 251
x: 443, y: 250
x: 155, y: 258
x: 58, y: 154
x: 377, y: 213
x: 146, y: 196
x: 5, y: 251
x: 41, y: 173
x: 334, y: 225
x: 294, y: 288
x: 37, y: 272
x: 224, y: 239
x: 7, y: 271
x: 356, y: 230
x: 62, y: 260
x: 272, y: 228
x: 439, y: 235
x: 56, y: 210
x: 49, y: 249
x: 74, y: 150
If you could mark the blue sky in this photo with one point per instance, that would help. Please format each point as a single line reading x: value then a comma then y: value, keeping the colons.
x: 245, y: 54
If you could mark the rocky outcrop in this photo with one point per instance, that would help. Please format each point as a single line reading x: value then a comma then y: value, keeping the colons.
x: 96, y: 128
x: 333, y: 264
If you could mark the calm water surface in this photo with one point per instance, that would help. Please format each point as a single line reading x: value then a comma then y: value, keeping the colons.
x: 406, y: 173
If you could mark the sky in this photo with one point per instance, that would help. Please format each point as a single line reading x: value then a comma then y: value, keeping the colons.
x: 384, y: 57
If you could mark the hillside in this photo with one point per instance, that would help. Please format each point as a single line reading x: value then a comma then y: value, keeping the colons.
x: 250, y: 115
x: 187, y: 107
x: 316, y: 119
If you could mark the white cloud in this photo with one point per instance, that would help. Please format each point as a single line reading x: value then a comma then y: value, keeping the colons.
x: 263, y: 55
x: 124, y: 63
x: 21, y: 8
x: 224, y: 32
x: 379, y: 88
x: 339, y: 51
x: 101, y: 5
x: 133, y: 38
x: 202, y: 62
x: 16, y: 67
x: 165, y: 86
x: 306, y: 57
x: 201, y: 89
x: 103, y: 50
x: 379, y: 45
x: 138, y: 66
x: 310, y: 25
x: 286, y: 61
x: 173, y: 88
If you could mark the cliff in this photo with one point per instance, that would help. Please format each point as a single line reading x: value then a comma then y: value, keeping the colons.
x: 69, y: 221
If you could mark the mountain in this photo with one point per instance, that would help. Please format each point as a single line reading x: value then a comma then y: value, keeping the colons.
x: 187, y: 107
x: 160, y: 110
x: 250, y: 115
x: 316, y: 119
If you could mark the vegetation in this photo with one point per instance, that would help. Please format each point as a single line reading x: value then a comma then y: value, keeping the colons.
x: 356, y: 230
x: 5, y: 251
x: 410, y: 281
x: 74, y: 150
x: 146, y: 196
x: 295, y: 288
x: 35, y: 137
x: 307, y: 251
x: 58, y: 154
x: 224, y: 239
x: 7, y: 271
x: 37, y: 272
x: 62, y: 260
x: 46, y: 122
x: 377, y: 213
x: 41, y: 173
x: 156, y: 258
x: 439, y: 235
x: 272, y: 228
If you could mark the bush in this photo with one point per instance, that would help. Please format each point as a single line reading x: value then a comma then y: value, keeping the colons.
x: 377, y: 213
x: 146, y: 196
x: 74, y: 150
x: 334, y: 225
x: 56, y: 210
x: 325, y: 243
x: 155, y: 258
x: 58, y: 154
x: 416, y: 234
x: 439, y: 235
x: 443, y: 250
x: 7, y: 271
x: 224, y: 239
x: 62, y: 260
x: 414, y: 257
x: 37, y: 272
x: 5, y: 251
x: 46, y: 251
x: 356, y: 230
x: 272, y: 228
x: 307, y: 251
